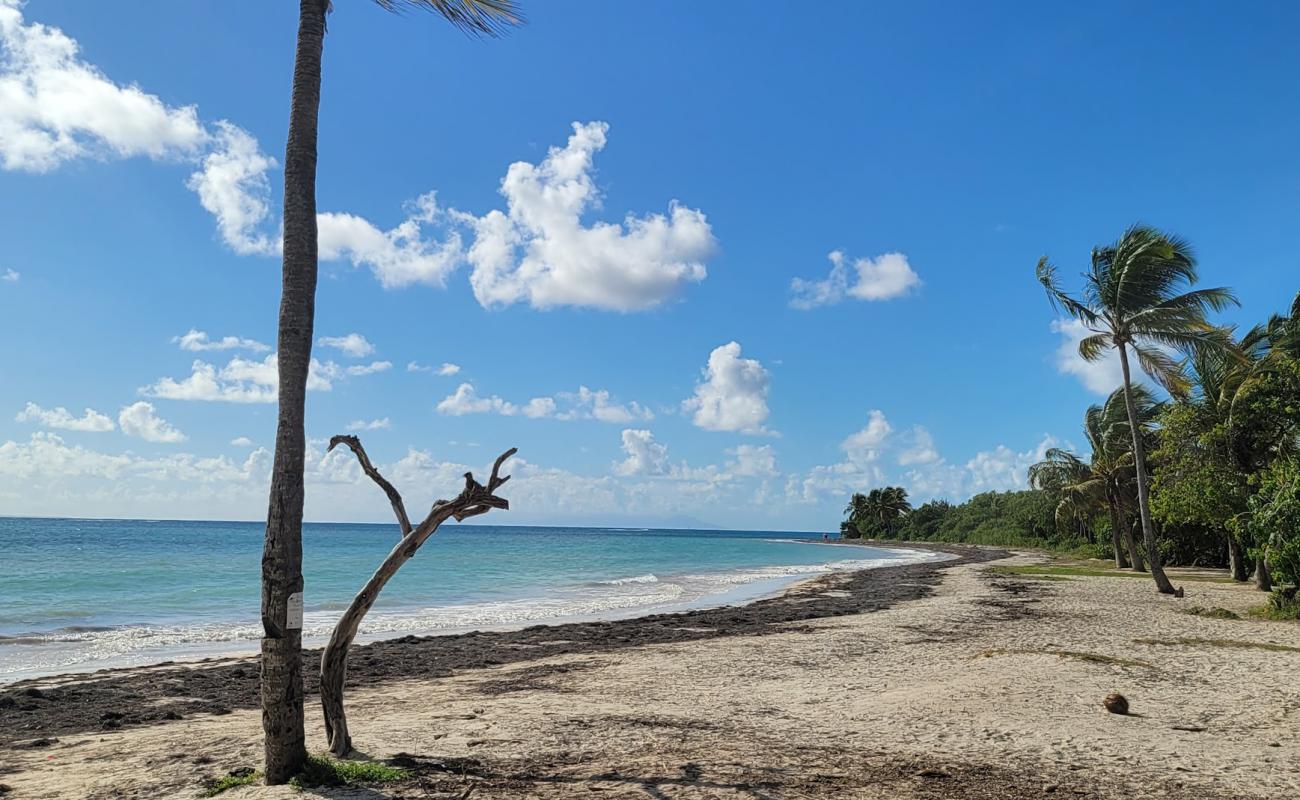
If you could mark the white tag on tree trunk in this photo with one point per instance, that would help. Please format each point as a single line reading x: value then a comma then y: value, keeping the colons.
x: 293, y: 612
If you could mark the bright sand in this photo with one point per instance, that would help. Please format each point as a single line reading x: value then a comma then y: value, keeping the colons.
x: 957, y: 694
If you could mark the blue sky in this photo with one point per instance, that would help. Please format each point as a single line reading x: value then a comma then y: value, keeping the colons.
x: 675, y: 171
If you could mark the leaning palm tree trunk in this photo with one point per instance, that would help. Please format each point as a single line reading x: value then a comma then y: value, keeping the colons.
x: 282, y: 709
x: 1139, y: 461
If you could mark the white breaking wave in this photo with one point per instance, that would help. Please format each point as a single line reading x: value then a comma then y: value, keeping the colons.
x: 648, y: 578
x: 82, y: 648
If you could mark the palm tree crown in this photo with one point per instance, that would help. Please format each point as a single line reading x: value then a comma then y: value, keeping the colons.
x: 1132, y: 298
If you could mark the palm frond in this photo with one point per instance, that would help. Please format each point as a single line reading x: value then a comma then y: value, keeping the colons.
x: 1092, y: 348
x: 1046, y: 274
x: 1163, y: 369
x: 476, y: 17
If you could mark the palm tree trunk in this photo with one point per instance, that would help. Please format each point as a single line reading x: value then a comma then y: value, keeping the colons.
x: 282, y: 709
x: 1117, y: 536
x: 1236, y: 563
x: 1263, y: 578
x: 1134, y: 552
x: 1139, y: 459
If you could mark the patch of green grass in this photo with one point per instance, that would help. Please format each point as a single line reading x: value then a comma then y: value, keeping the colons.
x: 1092, y: 658
x: 1235, y: 644
x: 1212, y: 613
x: 244, y: 776
x: 1082, y: 571
x: 1033, y: 577
x: 322, y: 771
x: 1272, y: 612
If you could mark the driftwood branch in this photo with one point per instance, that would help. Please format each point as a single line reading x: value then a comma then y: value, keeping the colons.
x: 473, y: 500
x: 394, y: 497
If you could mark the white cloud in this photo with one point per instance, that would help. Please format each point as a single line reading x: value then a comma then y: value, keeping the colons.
x: 91, y: 421
x: 232, y: 186
x: 10, y: 276
x: 1102, y: 376
x: 46, y: 453
x: 197, y: 341
x: 398, y: 257
x: 644, y: 456
x: 55, y: 108
x: 139, y: 419
x: 753, y: 460
x: 466, y: 401
x: 589, y: 404
x: 538, y: 250
x: 863, y: 447
x: 354, y: 344
x: 921, y: 449
x: 1003, y: 469
x: 445, y: 369
x: 733, y: 394
x: 241, y: 441
x: 369, y: 369
x: 862, y: 450
x: 370, y: 425
x: 882, y: 278
x: 539, y: 407
x: 582, y: 404
x: 239, y: 381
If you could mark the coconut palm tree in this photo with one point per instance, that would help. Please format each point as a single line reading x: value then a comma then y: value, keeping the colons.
x: 282, y: 584
x: 1107, y: 478
x: 1133, y: 301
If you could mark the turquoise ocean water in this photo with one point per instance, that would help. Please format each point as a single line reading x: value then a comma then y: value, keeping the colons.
x: 84, y: 594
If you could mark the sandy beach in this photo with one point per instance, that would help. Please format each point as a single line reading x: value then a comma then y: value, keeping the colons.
x: 924, y: 681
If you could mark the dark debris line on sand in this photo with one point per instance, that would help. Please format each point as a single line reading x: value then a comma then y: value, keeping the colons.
x: 126, y: 697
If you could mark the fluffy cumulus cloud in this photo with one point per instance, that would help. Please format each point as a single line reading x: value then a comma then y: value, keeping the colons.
x: 596, y: 404
x: 353, y: 344
x: 91, y: 421
x: 753, y: 461
x: 400, y: 256
x: 919, y: 449
x: 244, y: 380
x: 465, y: 400
x: 10, y: 276
x: 1100, y: 377
x: 241, y: 441
x: 232, y: 186
x: 56, y: 108
x: 862, y: 451
x: 539, y: 251
x: 642, y: 454
x: 863, y: 446
x: 140, y: 420
x: 881, y: 278
x: 197, y: 341
x: 1003, y: 469
x: 732, y: 395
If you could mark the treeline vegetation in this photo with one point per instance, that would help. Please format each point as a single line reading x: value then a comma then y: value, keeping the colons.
x: 1207, y: 474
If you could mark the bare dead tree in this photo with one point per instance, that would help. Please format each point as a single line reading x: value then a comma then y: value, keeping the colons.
x: 473, y: 500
